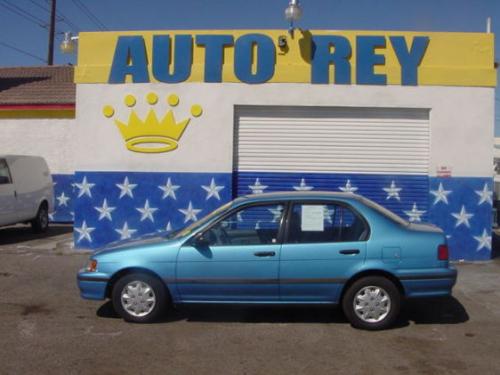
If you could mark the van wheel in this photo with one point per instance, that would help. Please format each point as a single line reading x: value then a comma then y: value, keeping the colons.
x: 372, y: 303
x: 40, y: 224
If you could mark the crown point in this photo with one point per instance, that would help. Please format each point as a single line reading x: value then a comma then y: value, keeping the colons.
x: 130, y: 101
x: 152, y: 98
x: 196, y: 110
x: 173, y: 100
x: 108, y: 111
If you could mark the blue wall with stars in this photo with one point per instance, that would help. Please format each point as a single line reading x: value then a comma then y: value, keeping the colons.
x: 112, y: 206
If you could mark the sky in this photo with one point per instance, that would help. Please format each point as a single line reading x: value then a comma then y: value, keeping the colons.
x: 24, y: 31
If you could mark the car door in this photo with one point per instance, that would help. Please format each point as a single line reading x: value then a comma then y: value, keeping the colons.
x: 8, y: 199
x: 324, y: 243
x: 237, y: 258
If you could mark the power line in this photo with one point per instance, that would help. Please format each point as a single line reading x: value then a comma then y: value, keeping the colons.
x: 39, y: 6
x: 60, y: 16
x: 22, y: 13
x: 22, y: 51
x: 90, y: 15
x: 19, y: 9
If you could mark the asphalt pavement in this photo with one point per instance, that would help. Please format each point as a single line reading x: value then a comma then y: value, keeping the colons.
x: 45, y: 328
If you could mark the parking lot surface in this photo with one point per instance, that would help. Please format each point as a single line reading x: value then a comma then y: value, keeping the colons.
x: 46, y: 328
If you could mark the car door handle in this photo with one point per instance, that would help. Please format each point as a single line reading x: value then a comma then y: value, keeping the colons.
x: 349, y: 251
x: 264, y: 253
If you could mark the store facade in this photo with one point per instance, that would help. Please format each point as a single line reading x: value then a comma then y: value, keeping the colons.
x: 170, y: 125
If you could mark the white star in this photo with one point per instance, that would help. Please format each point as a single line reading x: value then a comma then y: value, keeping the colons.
x: 392, y: 191
x: 84, y: 232
x: 257, y: 187
x: 303, y: 186
x: 440, y: 194
x: 239, y: 218
x: 84, y: 188
x: 105, y: 211
x: 169, y: 227
x: 348, y: 188
x: 414, y: 214
x: 190, y: 213
x: 169, y: 189
x: 51, y: 216
x: 257, y: 225
x: 125, y: 233
x: 147, y: 212
x: 462, y: 217
x: 276, y: 213
x: 212, y: 190
x: 328, y: 214
x: 485, y: 195
x: 484, y: 241
x: 63, y: 200
x: 126, y: 188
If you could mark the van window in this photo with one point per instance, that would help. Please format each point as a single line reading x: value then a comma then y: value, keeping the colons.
x: 4, y: 173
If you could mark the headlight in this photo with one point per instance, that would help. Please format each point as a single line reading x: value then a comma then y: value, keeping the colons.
x: 91, y: 265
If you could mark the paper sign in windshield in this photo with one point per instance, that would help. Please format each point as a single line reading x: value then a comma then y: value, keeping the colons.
x: 313, y: 218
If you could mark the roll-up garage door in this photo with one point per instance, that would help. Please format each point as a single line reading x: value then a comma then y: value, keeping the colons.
x: 365, y: 150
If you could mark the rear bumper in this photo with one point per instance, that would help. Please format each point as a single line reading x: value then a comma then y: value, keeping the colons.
x: 92, y: 286
x: 438, y: 283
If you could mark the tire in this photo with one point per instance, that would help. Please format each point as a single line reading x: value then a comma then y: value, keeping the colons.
x: 40, y: 224
x: 381, y: 307
x: 142, y: 306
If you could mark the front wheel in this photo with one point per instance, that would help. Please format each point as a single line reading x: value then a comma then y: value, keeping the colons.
x: 372, y: 303
x: 139, y: 298
x: 40, y: 224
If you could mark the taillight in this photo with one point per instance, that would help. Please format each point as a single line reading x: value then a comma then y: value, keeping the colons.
x: 443, y: 252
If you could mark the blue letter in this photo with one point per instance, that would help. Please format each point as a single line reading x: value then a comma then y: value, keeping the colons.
x: 265, y: 56
x: 182, y: 60
x: 323, y: 57
x: 130, y: 58
x: 409, y: 59
x: 366, y: 59
x: 214, y: 54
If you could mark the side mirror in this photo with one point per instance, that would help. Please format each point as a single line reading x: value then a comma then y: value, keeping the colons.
x: 200, y: 240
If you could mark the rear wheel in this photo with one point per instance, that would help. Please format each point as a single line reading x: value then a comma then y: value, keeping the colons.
x: 372, y: 303
x: 139, y: 298
x: 40, y: 224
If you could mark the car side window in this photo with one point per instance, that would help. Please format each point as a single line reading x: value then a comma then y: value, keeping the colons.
x: 328, y: 222
x: 252, y: 225
x: 4, y: 173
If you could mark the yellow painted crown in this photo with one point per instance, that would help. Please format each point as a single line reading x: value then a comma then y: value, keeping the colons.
x: 152, y: 135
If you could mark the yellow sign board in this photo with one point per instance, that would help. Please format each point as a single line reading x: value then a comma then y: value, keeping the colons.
x: 273, y: 56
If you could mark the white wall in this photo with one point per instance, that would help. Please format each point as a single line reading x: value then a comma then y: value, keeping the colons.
x: 50, y: 138
x: 461, y: 122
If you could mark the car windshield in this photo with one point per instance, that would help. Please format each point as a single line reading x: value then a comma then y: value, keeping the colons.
x: 385, y: 212
x: 197, y: 224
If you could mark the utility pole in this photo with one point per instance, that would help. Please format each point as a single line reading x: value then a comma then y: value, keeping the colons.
x: 52, y: 31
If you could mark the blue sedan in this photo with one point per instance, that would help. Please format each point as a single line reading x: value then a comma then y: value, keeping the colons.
x: 278, y: 248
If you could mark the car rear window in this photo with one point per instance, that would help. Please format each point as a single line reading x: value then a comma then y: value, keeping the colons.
x: 384, y: 211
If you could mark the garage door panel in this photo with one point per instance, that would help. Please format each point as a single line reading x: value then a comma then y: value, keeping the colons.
x: 365, y: 140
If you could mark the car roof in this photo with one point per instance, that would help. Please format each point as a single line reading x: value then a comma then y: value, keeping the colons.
x: 296, y: 195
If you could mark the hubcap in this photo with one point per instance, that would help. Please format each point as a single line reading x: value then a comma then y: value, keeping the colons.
x: 138, y: 298
x: 372, y: 304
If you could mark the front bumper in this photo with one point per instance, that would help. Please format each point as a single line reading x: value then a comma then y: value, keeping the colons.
x: 92, y: 285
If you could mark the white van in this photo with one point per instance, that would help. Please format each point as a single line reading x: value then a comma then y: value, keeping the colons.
x: 26, y: 191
